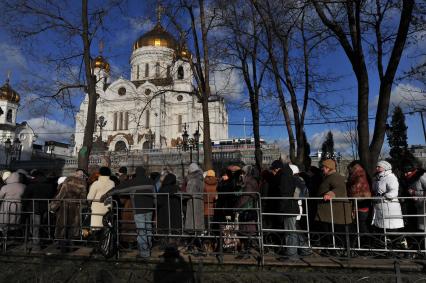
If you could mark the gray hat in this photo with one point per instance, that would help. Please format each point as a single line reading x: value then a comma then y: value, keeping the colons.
x: 385, y: 165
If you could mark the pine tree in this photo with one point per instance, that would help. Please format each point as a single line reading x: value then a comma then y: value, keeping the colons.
x: 397, y: 139
x: 328, y: 147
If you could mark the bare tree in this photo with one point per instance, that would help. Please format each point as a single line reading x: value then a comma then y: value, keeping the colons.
x: 354, y: 24
x: 200, y: 24
x: 244, y: 53
x: 289, y: 26
x: 70, y: 28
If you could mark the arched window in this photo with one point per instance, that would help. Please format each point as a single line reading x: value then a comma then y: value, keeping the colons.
x: 9, y: 116
x: 146, y: 70
x: 180, y: 73
x: 137, y: 72
x: 168, y: 71
x: 120, y: 146
x: 157, y: 70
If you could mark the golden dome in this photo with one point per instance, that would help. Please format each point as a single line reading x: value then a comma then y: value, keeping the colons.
x: 7, y: 93
x: 100, y: 62
x: 158, y: 36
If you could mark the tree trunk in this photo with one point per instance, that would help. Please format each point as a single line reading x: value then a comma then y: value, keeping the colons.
x: 207, y: 144
x: 84, y: 153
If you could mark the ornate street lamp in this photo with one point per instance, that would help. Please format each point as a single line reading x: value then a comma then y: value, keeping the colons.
x: 197, y: 144
x: 185, y: 137
x: 101, y: 122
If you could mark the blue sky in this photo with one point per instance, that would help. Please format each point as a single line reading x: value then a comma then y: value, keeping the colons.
x: 125, y: 28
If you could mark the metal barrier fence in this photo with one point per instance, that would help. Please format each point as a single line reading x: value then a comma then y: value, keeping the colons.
x: 206, y: 224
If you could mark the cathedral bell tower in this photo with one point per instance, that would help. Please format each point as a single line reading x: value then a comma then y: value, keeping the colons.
x: 101, y: 69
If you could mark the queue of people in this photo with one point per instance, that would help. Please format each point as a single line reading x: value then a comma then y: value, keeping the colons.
x: 228, y: 205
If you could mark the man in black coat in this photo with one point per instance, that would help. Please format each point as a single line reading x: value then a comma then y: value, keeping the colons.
x: 283, y: 183
x: 141, y: 191
x: 36, y: 202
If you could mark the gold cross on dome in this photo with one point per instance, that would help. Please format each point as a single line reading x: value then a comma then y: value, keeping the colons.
x: 159, y: 10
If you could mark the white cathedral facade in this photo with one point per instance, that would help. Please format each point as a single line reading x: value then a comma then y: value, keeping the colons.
x: 154, y: 107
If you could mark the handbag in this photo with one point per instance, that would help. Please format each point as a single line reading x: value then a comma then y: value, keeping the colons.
x: 230, y: 238
x: 108, y: 239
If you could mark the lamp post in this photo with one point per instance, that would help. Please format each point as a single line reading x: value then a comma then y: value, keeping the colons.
x: 101, y: 122
x: 197, y: 144
x: 12, y: 150
x: 51, y: 148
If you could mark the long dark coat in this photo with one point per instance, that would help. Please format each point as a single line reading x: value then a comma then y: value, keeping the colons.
x: 67, y: 205
x: 172, y: 200
x: 342, y: 209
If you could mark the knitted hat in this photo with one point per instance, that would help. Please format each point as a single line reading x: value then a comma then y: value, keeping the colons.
x: 329, y: 163
x: 211, y: 173
x: 294, y: 168
x: 384, y: 164
x: 5, y: 175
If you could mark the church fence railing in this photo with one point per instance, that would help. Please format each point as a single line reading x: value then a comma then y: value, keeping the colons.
x: 257, y: 231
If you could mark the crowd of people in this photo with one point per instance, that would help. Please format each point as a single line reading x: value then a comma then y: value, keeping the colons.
x: 283, y: 198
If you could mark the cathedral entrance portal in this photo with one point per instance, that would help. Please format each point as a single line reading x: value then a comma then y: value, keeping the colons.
x: 120, y: 146
x: 146, y: 145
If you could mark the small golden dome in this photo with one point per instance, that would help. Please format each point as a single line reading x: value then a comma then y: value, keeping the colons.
x: 100, y: 62
x: 158, y: 36
x: 7, y: 93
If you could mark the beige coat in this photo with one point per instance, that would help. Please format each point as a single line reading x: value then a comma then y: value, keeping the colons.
x: 97, y: 190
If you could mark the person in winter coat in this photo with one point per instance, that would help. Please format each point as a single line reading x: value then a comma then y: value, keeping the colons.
x: 36, y: 202
x: 96, y: 191
x: 358, y: 186
x: 387, y: 210
x: 67, y: 206
x: 415, y: 186
x: 210, y: 197
x: 248, y: 200
x: 284, y: 184
x: 194, y: 220
x: 338, y: 214
x: 168, y: 198
x: 141, y: 190
x: 11, y: 206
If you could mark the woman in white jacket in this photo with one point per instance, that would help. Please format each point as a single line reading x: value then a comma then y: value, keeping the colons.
x: 96, y: 191
x: 387, y: 210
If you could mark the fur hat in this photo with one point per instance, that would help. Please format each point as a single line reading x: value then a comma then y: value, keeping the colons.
x: 294, y: 168
x: 384, y: 164
x: 211, y: 173
x: 329, y: 163
x: 193, y: 167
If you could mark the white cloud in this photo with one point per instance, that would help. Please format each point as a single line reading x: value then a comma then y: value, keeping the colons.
x: 227, y: 82
x: 341, y: 141
x: 48, y: 129
x: 406, y: 96
x: 11, y: 56
x: 137, y: 26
